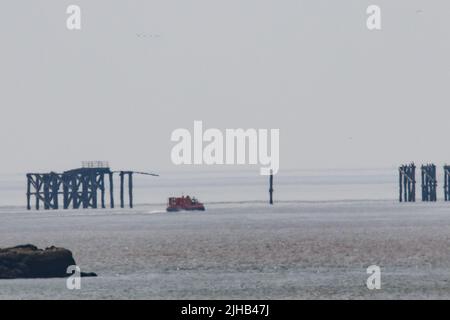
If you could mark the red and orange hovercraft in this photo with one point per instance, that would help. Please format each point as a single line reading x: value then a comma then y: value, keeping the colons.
x: 184, y: 203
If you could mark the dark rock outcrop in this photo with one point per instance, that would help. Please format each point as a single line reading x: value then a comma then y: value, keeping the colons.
x: 27, y: 261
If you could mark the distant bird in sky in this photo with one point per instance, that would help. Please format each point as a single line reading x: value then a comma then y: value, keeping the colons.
x: 149, y: 35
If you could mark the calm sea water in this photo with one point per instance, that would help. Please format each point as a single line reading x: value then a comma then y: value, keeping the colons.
x: 307, y: 246
x: 238, y: 186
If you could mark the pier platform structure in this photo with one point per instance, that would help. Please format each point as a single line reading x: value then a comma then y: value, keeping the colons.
x: 80, y: 187
x: 407, y: 183
x: 429, y: 182
x: 447, y: 183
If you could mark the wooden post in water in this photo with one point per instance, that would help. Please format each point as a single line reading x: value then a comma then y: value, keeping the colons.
x: 407, y: 183
x: 447, y: 183
x: 54, y: 190
x: 102, y: 190
x: 65, y: 182
x: 38, y: 189
x: 28, y: 192
x: 413, y: 191
x: 423, y: 183
x: 111, y: 189
x: 130, y: 188
x: 93, y: 190
x: 121, y: 189
x: 429, y: 183
x: 46, y: 191
x: 271, y: 187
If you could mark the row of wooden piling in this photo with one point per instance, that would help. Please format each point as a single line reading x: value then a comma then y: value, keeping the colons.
x: 407, y: 182
x: 78, y: 187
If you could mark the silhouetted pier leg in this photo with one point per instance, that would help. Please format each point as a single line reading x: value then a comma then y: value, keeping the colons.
x: 423, y: 184
x: 54, y: 190
x: 445, y: 188
x: 84, y: 192
x: 74, y: 186
x: 413, y: 167
x: 434, y: 184
x: 130, y: 188
x: 429, y: 183
x: 46, y: 192
x: 407, y: 183
x: 447, y: 172
x: 409, y: 171
x: 271, y: 187
x: 447, y: 183
x: 37, y: 202
x: 102, y: 190
x: 65, y: 193
x: 111, y: 190
x: 38, y: 189
x: 94, y: 191
x: 28, y: 192
x: 121, y: 189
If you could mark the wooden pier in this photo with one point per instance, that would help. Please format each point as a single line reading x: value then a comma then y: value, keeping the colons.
x: 429, y: 182
x: 271, y: 187
x: 447, y: 183
x: 79, y: 187
x: 407, y: 183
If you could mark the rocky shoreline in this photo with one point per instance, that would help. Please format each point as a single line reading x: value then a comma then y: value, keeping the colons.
x: 27, y: 261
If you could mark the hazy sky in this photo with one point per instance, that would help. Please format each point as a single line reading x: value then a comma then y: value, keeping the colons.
x: 341, y: 95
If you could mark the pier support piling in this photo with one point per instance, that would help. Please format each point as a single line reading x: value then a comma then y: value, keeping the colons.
x: 429, y: 182
x: 271, y: 187
x: 79, y: 187
x: 111, y: 189
x: 407, y: 183
x: 122, y: 205
x: 447, y: 183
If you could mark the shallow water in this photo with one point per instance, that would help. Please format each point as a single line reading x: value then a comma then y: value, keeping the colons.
x: 305, y: 250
